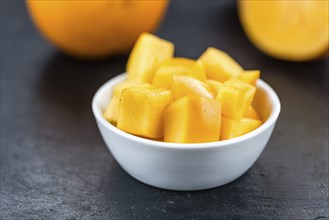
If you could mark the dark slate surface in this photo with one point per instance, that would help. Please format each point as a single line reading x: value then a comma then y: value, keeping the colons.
x: 54, y: 164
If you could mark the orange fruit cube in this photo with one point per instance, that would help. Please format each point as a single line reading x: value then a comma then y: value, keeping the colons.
x: 236, y: 97
x: 149, y: 51
x: 192, y: 119
x: 232, y: 128
x: 141, y: 110
x: 219, y: 65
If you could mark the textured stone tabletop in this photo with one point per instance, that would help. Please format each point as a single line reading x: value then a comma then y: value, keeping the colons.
x: 54, y: 164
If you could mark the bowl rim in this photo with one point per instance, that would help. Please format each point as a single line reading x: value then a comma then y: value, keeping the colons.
x: 268, y: 123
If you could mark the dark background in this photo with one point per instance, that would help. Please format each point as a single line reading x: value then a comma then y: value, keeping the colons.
x: 54, y: 164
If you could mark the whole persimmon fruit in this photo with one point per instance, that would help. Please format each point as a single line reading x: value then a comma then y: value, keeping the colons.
x: 288, y: 30
x: 93, y: 29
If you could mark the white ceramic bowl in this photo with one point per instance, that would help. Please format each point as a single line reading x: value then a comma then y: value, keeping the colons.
x: 187, y: 166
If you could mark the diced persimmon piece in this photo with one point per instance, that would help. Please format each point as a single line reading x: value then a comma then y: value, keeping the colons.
x: 149, y: 51
x: 192, y: 119
x: 232, y: 128
x: 219, y: 65
x: 251, y: 113
x: 112, y: 110
x: 197, y: 71
x: 188, y: 86
x: 249, y: 76
x: 177, y: 66
x: 141, y: 110
x: 236, y: 97
x: 215, y: 85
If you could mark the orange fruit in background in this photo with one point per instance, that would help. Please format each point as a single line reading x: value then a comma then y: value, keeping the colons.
x: 94, y: 29
x: 289, y: 30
